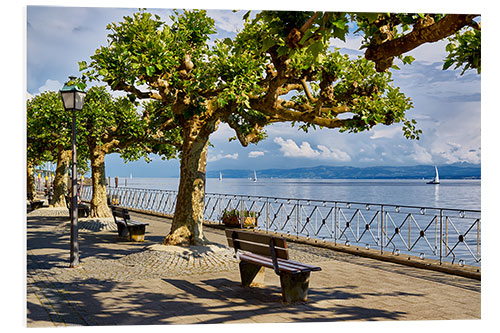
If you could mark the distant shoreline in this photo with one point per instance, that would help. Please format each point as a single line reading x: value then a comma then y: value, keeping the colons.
x: 450, y: 171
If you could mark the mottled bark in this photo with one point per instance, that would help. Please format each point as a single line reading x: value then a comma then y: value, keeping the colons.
x: 98, y: 204
x: 61, y: 178
x: 383, y: 53
x: 30, y: 181
x: 187, y: 224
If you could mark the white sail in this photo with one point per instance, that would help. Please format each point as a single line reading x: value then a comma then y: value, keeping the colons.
x: 436, y: 177
x: 254, y: 176
x: 220, y: 176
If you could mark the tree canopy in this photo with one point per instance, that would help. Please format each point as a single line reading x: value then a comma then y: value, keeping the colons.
x: 279, y: 68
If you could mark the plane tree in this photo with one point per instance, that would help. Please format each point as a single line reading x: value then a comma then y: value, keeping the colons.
x: 48, y: 128
x: 279, y: 68
x: 115, y: 125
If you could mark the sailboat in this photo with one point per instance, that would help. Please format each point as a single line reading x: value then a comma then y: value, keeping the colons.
x: 436, y: 177
x: 254, y: 176
x: 220, y: 176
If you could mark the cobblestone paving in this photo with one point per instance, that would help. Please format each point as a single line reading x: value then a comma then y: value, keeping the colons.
x: 53, y: 289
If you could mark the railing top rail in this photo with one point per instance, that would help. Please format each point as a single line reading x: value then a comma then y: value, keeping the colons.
x: 313, y: 200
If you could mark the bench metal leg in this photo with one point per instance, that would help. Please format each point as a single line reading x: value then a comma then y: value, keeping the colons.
x: 294, y: 287
x: 251, y: 274
x: 137, y: 232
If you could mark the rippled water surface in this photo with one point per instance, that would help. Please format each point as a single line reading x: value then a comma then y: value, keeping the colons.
x: 458, y: 194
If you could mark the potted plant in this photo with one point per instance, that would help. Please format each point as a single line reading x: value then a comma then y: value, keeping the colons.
x: 235, y: 217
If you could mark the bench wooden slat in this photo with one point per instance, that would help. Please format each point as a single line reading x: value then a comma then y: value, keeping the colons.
x: 258, y: 248
x: 132, y: 222
x: 256, y: 237
x: 267, y: 262
x: 283, y: 265
x: 305, y: 266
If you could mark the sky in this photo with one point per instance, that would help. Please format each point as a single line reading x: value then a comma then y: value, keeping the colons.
x: 447, y: 105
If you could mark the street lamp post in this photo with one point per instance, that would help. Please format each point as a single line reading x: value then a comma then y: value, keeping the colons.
x: 73, y: 99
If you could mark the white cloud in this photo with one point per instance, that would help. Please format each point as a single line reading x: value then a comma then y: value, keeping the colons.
x: 254, y: 154
x: 50, y: 85
x: 334, y: 154
x: 385, y: 132
x: 421, y: 155
x: 452, y: 152
x: 291, y: 149
x: 218, y: 157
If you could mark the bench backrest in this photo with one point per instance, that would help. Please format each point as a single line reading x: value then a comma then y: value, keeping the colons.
x: 120, y: 212
x: 256, y: 243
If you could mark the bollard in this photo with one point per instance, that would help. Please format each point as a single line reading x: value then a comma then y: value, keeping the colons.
x: 116, y: 181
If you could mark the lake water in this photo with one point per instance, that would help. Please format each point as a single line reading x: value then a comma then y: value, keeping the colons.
x: 455, y: 194
x: 358, y: 214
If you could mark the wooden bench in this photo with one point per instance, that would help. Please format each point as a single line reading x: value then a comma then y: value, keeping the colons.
x: 83, y: 209
x: 256, y: 251
x: 127, y: 228
x: 34, y: 203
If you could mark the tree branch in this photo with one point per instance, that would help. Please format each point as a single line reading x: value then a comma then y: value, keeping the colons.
x: 384, y: 53
x: 134, y: 90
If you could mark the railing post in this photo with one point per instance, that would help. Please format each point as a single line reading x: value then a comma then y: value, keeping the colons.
x: 382, y: 229
x: 267, y: 214
x: 335, y: 223
x: 441, y: 237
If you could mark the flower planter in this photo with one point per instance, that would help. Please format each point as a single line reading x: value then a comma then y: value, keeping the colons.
x: 234, y: 221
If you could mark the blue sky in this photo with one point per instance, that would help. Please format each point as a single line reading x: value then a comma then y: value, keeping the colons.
x: 447, y: 106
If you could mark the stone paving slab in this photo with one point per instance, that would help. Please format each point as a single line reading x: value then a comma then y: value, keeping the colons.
x: 127, y: 283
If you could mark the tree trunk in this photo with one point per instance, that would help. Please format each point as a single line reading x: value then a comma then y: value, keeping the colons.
x: 98, y: 204
x: 30, y: 181
x: 187, y: 224
x: 61, y: 178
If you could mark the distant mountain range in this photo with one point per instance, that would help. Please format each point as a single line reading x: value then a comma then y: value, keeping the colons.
x: 447, y: 171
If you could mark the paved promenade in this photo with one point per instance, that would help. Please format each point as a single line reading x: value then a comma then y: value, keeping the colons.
x: 126, y: 283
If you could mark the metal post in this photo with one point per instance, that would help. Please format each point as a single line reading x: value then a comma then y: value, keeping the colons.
x: 440, y: 236
x: 335, y: 224
x: 74, y: 256
x: 382, y: 229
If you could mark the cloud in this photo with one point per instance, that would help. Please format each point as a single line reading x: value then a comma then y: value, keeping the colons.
x: 50, y: 85
x: 218, y: 157
x: 254, y: 154
x: 334, y: 154
x: 421, y: 155
x: 452, y: 152
x: 291, y: 149
x: 385, y: 132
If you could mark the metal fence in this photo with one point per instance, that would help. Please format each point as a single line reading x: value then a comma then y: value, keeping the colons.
x: 444, y: 234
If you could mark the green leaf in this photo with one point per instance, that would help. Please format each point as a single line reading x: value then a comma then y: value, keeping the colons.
x: 150, y: 70
x: 315, y: 49
x: 247, y: 15
x: 282, y: 50
x: 82, y: 65
x: 268, y: 43
x: 447, y: 64
x: 408, y: 60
